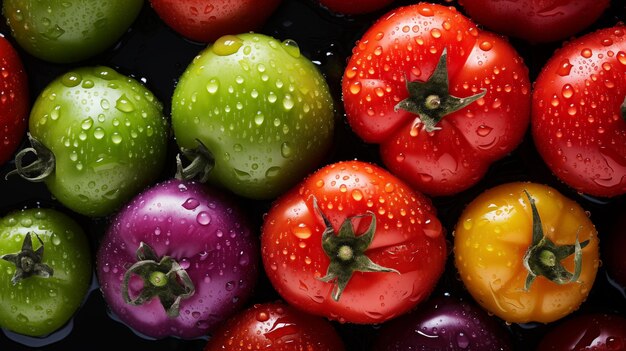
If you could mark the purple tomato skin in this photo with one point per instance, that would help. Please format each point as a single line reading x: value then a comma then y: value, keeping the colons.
x: 597, y: 332
x: 204, y: 233
x: 444, y: 323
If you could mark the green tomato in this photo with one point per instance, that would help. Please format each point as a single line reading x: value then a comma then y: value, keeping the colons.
x: 262, y: 110
x: 45, y: 270
x: 100, y: 138
x: 69, y: 30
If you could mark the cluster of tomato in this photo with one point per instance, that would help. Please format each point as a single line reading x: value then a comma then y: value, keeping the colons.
x: 397, y: 169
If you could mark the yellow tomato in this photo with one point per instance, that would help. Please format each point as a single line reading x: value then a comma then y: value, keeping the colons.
x: 519, y: 274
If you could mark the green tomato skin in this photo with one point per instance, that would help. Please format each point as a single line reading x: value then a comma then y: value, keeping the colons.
x: 263, y: 110
x: 108, y: 135
x: 38, y: 306
x: 65, y: 31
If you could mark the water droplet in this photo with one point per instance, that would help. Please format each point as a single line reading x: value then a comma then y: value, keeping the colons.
x: 462, y: 340
x: 124, y: 104
x: 203, y: 218
x: 288, y: 102
x: 389, y: 188
x: 565, y: 67
x: 483, y: 130
x: 586, y: 53
x: 116, y: 138
x: 212, y: 86
x: 230, y: 286
x: 259, y: 118
x: 567, y: 91
x: 291, y: 47
x: 355, y: 88
x: 286, y: 150
x: 301, y: 231
x: 272, y: 172
x: 227, y: 45
x: 71, y: 79
x: 98, y: 133
x: 55, y: 239
x: 485, y: 46
x: 191, y: 203
x: 262, y: 317
x: 621, y: 57
x: 357, y: 195
x: 87, y: 123
x: 426, y: 11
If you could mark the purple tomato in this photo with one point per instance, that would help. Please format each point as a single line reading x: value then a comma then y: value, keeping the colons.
x: 597, y: 332
x: 177, y: 261
x: 444, y: 323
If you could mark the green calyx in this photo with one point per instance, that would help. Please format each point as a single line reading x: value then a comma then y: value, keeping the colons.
x: 543, y: 257
x: 163, y: 278
x: 202, y: 162
x: 40, y: 168
x: 346, y: 252
x: 431, y: 100
x: 28, y: 262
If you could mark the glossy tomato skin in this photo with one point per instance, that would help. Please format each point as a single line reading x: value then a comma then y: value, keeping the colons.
x: 598, y: 332
x: 69, y: 30
x: 202, y: 230
x: 494, y: 233
x: 408, y: 238
x: 276, y: 327
x: 576, y: 121
x: 37, y: 306
x: 355, y: 7
x: 444, y: 323
x: 14, y: 103
x: 536, y: 21
x: 207, y: 20
x: 262, y: 110
x: 455, y: 157
x: 107, y: 133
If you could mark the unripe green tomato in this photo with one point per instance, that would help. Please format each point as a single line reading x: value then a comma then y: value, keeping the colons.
x: 261, y: 108
x: 108, y: 136
x: 37, y: 305
x: 68, y: 30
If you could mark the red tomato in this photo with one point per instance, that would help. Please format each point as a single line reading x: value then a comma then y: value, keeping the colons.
x: 439, y: 135
x: 578, y: 113
x: 276, y: 327
x: 207, y: 20
x: 353, y: 243
x: 536, y: 20
x: 598, y: 332
x: 355, y: 7
x: 13, y: 100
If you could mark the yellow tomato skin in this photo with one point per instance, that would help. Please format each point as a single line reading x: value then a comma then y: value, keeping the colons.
x: 492, y: 236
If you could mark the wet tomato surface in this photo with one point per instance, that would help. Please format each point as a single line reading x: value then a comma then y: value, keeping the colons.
x: 156, y: 57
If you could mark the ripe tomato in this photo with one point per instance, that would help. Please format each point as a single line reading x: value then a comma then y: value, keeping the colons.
x: 275, y: 327
x: 99, y: 138
x: 355, y: 7
x: 207, y: 20
x: 598, y: 332
x: 443, y: 99
x: 255, y: 112
x: 69, y: 30
x: 45, y: 270
x: 578, y: 113
x: 13, y: 100
x: 386, y: 258
x: 536, y: 20
x: 522, y: 265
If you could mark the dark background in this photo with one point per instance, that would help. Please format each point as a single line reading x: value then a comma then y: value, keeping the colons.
x: 153, y: 53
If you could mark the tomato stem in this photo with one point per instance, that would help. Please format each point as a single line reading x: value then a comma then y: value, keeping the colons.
x: 431, y: 100
x: 202, y: 162
x: 346, y: 251
x: 40, y: 168
x: 543, y: 257
x: 28, y: 262
x: 163, y: 278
